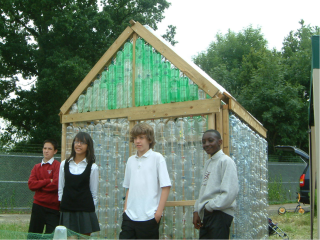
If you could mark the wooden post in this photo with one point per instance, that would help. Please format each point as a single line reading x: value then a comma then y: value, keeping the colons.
x: 225, y: 135
x: 219, y: 125
x: 211, y: 121
x: 63, y: 141
x: 131, y: 125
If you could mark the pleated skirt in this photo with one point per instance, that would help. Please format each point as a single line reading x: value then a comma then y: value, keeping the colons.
x: 80, y: 222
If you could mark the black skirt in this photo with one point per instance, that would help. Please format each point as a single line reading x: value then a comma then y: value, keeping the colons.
x: 80, y: 222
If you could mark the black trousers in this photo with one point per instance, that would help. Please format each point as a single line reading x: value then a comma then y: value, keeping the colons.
x: 216, y: 225
x: 41, y: 216
x: 139, y: 229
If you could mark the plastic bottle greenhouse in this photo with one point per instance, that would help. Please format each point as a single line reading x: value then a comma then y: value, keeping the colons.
x: 141, y: 78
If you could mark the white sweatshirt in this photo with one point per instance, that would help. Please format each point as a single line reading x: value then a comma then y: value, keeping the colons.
x: 219, y: 187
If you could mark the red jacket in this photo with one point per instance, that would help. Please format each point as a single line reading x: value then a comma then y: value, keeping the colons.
x: 46, y: 192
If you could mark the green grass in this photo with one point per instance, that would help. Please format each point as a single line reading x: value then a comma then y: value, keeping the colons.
x: 295, y: 225
x: 14, y: 230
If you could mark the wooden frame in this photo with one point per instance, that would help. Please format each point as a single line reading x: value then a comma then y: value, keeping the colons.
x: 218, y: 114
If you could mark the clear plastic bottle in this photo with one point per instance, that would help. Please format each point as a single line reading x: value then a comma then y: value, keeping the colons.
x: 95, y: 94
x: 201, y: 94
x: 193, y: 91
x: 87, y: 104
x: 91, y: 129
x: 80, y: 103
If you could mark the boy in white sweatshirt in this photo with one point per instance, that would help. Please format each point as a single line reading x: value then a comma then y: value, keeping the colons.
x: 214, y: 209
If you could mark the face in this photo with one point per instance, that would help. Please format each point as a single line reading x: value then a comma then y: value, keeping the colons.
x: 210, y: 143
x: 80, y: 147
x: 48, y: 151
x: 142, y: 144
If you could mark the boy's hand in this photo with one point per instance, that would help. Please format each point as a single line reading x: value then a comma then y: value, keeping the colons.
x: 157, y: 217
x: 196, y: 220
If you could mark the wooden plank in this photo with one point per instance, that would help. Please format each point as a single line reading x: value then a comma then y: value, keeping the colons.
x: 180, y: 203
x: 219, y: 126
x: 96, y: 69
x: 212, y: 121
x: 63, y: 141
x: 188, y: 108
x: 131, y: 125
x: 225, y: 137
x: 242, y: 113
x: 166, y: 51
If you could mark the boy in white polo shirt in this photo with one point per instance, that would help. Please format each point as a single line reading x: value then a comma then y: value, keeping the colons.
x: 148, y: 184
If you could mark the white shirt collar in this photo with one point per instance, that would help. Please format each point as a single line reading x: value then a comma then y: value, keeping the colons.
x: 146, y: 153
x: 84, y: 160
x: 50, y: 161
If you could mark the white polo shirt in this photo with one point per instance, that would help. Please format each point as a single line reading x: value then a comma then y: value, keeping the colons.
x: 145, y: 176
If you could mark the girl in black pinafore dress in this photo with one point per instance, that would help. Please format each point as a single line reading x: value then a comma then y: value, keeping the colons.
x: 78, y: 187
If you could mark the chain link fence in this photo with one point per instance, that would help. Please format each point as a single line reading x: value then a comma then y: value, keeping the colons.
x: 284, y: 180
x: 15, y: 169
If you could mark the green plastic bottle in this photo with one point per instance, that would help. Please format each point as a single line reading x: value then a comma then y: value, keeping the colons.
x: 103, y: 94
x: 112, y: 95
x: 157, y: 76
x: 174, y: 86
x: 166, y: 76
x: 120, y: 80
x: 147, y: 80
x: 184, y: 88
x: 127, y: 101
x: 139, y: 62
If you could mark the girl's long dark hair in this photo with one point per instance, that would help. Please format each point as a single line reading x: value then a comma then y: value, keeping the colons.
x: 84, y: 137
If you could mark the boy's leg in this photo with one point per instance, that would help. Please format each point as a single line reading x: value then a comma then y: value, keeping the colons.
x: 37, y: 220
x: 52, y: 219
x: 148, y: 229
x: 127, y: 228
x: 216, y: 225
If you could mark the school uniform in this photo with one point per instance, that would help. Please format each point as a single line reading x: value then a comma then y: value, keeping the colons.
x: 78, y: 187
x: 45, y: 208
x: 144, y: 176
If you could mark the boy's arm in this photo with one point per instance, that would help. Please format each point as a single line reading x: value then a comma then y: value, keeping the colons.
x: 125, y: 201
x: 163, y: 198
x: 34, y: 183
x: 53, y: 185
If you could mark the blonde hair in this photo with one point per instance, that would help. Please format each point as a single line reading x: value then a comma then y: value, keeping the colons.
x: 143, y: 129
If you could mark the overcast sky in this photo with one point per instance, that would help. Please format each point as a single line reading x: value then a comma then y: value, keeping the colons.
x: 198, y: 21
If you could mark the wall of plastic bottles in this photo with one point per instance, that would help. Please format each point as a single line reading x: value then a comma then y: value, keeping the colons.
x: 178, y: 140
x: 249, y: 151
x: 157, y: 81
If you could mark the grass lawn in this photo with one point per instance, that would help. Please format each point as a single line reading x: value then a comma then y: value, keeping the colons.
x: 295, y: 225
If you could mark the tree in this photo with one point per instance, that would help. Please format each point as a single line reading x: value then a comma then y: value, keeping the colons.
x: 268, y: 83
x: 56, y: 43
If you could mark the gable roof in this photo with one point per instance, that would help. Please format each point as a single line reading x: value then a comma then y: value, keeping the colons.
x: 188, y: 68
x: 192, y: 71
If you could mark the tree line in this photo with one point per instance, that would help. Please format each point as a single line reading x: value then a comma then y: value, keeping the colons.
x: 56, y: 43
x: 274, y: 86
